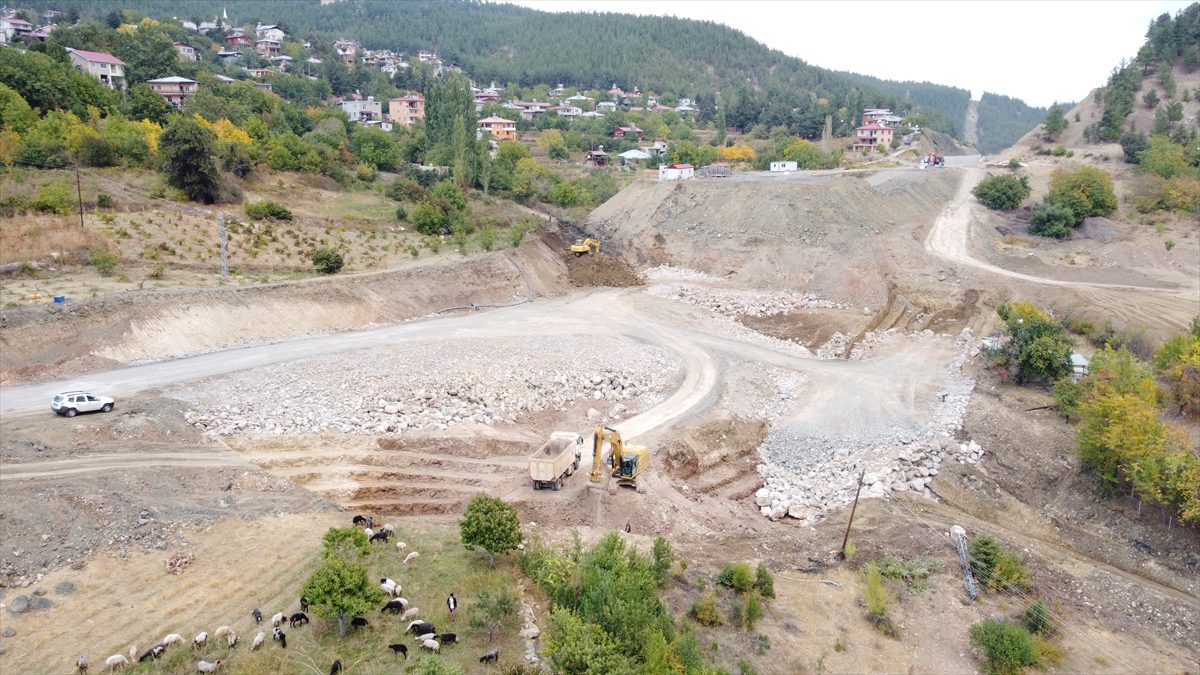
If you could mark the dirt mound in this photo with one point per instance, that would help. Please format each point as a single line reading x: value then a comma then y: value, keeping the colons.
x: 601, y: 270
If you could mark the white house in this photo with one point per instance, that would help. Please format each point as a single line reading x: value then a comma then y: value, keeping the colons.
x: 105, y: 67
x: 12, y: 29
x: 783, y: 166
x: 269, y: 32
x: 676, y: 172
x: 1079, y: 366
x: 567, y: 110
x: 363, y: 111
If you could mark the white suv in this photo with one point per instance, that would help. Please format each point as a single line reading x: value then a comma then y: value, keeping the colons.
x: 71, y: 403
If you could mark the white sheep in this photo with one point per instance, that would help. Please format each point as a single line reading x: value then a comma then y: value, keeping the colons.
x: 389, y: 587
x: 427, y: 636
x: 222, y: 631
x: 369, y: 532
x: 171, y: 639
x: 387, y: 527
x: 430, y: 645
x: 206, y: 667
x: 411, y: 557
x: 400, y: 546
x: 277, y: 619
x: 199, y: 640
x: 410, y: 614
x: 133, y: 653
x: 116, y: 661
x: 258, y: 640
x: 232, y: 639
x: 411, y: 624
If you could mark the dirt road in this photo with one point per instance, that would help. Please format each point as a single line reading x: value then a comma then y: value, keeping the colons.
x: 115, y: 461
x: 950, y: 239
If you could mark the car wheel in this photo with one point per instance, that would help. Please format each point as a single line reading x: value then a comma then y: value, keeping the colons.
x: 107, y: 407
x: 71, y: 412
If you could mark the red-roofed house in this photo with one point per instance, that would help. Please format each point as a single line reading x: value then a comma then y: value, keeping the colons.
x: 406, y: 110
x: 500, y: 128
x: 622, y: 132
x: 871, y: 135
x: 676, y: 172
x: 13, y: 29
x: 105, y: 67
x: 239, y: 40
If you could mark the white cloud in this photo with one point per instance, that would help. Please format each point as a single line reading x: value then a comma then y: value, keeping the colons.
x: 1036, y: 51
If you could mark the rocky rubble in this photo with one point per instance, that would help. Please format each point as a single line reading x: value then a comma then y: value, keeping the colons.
x: 735, y: 303
x: 808, y: 476
x: 425, y: 387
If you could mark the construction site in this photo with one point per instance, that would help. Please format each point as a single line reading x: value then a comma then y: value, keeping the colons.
x: 723, y: 362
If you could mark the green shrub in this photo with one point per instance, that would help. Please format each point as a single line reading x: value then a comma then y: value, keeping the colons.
x: 365, y: 172
x: 401, y: 212
x: 737, y: 576
x: 764, y: 582
x: 754, y: 610
x: 449, y: 191
x: 995, y: 567
x: 1067, y: 395
x: 1087, y: 191
x: 268, y: 209
x: 878, y: 599
x: 103, y: 261
x: 104, y: 201
x: 705, y: 612
x: 158, y: 272
x: 1038, y: 349
x: 1007, y: 648
x: 327, y: 260
x: 57, y: 198
x: 1051, y: 220
x: 1036, y: 620
x: 487, y: 237
x: 914, y: 573
x: 428, y: 218
x: 1005, y: 191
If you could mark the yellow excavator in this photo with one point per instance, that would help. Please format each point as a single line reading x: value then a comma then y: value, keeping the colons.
x: 582, y: 246
x: 624, y: 462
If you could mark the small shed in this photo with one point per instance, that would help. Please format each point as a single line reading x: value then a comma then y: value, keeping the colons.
x: 634, y: 155
x: 597, y: 157
x: 783, y: 166
x: 1079, y: 366
x: 676, y: 172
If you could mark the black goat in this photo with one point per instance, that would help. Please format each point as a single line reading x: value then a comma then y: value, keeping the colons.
x: 304, y: 604
x: 422, y: 629
x: 257, y: 615
x: 358, y: 622
x: 298, y: 618
x: 154, y: 652
x: 381, y: 535
x: 281, y: 636
x: 337, y: 667
x: 396, y: 606
x: 490, y: 657
x: 446, y: 638
x: 400, y: 649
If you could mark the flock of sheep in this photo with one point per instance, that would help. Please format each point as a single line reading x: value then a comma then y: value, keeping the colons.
x: 425, y: 633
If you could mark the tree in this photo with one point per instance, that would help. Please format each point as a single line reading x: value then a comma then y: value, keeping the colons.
x: 186, y: 156
x: 429, y: 218
x: 1133, y: 143
x: 804, y: 154
x: 1055, y: 122
x: 494, y: 608
x: 1038, y: 348
x: 1163, y: 158
x: 1151, y: 99
x: 1008, y: 648
x: 1051, y: 220
x: 1175, y: 111
x: 490, y: 524
x: 114, y: 18
x: 1162, y: 122
x: 579, y: 648
x: 1087, y: 191
x: 375, y: 147
x: 1177, y: 362
x: 144, y: 104
x: 327, y: 260
x: 1003, y: 192
x: 340, y: 588
x: 73, y: 16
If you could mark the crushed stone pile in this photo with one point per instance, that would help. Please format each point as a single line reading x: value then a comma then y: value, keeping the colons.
x: 430, y: 387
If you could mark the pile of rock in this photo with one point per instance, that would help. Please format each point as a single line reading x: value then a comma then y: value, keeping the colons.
x: 668, y: 273
x: 735, y: 302
x: 432, y: 387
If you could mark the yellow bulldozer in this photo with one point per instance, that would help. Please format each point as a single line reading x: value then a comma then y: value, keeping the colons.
x: 582, y: 246
x: 625, y: 462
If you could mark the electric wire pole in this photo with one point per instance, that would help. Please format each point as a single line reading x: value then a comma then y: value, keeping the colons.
x: 79, y: 194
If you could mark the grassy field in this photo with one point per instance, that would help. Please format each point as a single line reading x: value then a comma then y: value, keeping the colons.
x: 444, y: 567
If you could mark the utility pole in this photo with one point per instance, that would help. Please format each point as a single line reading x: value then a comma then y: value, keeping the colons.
x: 79, y: 193
x: 224, y: 247
x: 846, y: 538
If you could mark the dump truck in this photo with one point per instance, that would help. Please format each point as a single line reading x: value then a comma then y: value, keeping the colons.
x: 555, y: 460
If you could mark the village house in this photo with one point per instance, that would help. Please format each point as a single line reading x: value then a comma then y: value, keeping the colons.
x: 176, y: 90
x: 634, y: 155
x: 42, y: 33
x: 567, y: 110
x: 500, y: 128
x: 267, y: 47
x: 531, y: 109
x: 605, y: 106
x: 281, y: 62
x: 869, y: 136
x: 13, y: 29
x: 269, y: 32
x: 676, y: 172
x: 363, y: 111
x: 239, y: 40
x: 597, y: 157
x: 347, y: 50
x: 187, y: 52
x: 105, y: 67
x: 406, y: 110
x: 625, y: 132
x: 259, y: 73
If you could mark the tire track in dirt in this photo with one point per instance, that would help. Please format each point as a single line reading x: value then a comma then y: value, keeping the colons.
x: 118, y: 461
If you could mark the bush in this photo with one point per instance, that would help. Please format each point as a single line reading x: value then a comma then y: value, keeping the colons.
x: 736, y: 576
x: 104, y: 201
x: 764, y: 583
x: 1005, y: 192
x: 57, y: 198
x: 1052, y: 220
x: 1036, y: 620
x: 405, y: 190
x: 1007, y: 648
x: 103, y: 261
x: 914, y: 574
x: 1087, y: 191
x: 268, y: 209
x: 877, y: 598
x: 450, y: 192
x: 705, y: 612
x: 428, y: 218
x: 158, y: 272
x: 327, y: 260
x: 401, y: 212
x: 487, y: 237
x: 995, y: 567
x: 754, y: 611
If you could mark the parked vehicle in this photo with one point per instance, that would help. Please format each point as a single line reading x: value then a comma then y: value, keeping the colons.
x: 555, y: 460
x: 71, y: 403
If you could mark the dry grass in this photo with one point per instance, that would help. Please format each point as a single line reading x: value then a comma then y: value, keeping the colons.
x: 40, y: 238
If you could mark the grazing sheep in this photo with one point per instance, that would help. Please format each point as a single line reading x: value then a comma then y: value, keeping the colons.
x: 411, y: 557
x: 257, y: 615
x: 171, y: 639
x: 400, y: 546
x: 222, y: 631
x: 298, y: 618
x: 446, y: 638
x: 399, y: 649
x: 369, y: 532
x: 206, y: 667
x: 278, y: 619
x: 395, y: 607
x: 82, y: 665
x: 232, y: 639
x: 410, y: 613
x: 304, y: 602
x: 421, y: 628
x: 411, y: 624
x: 116, y: 661
x: 430, y: 645
x: 133, y: 652
x: 381, y: 535
x: 387, y: 527
x: 153, y: 653
x: 199, y: 640
x: 359, y: 520
x: 258, y: 640
x: 426, y: 636
x: 278, y: 634
x: 490, y: 657
x: 336, y: 667
x: 389, y: 587
x: 358, y: 622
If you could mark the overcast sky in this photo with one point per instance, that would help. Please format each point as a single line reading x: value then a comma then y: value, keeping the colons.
x: 1039, y: 51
